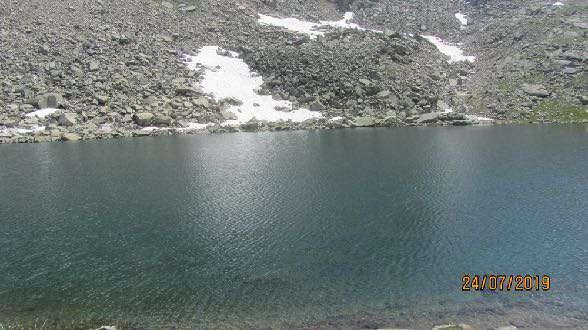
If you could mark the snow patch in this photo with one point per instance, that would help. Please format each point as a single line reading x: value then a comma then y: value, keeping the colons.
x: 336, y: 118
x: 22, y: 130
x: 226, y: 77
x: 195, y: 126
x: 310, y: 28
x: 462, y: 19
x: 558, y: 4
x: 41, y: 113
x: 455, y: 53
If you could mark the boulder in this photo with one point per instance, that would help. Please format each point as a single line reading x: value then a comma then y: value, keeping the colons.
x: 143, y: 118
x: 68, y: 119
x: 201, y: 102
x: 49, y: 100
x: 427, y: 118
x: 70, y: 137
x: 228, y: 115
x: 365, y: 121
x: 316, y: 106
x: 161, y: 120
x: 535, y: 90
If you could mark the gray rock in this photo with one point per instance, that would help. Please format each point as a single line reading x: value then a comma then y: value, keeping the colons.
x: 231, y: 101
x: 161, y: 120
x: 189, y: 8
x: 201, y: 102
x: 102, y: 99
x: 228, y: 115
x: 427, y: 118
x: 143, y: 119
x: 535, y: 90
x: 316, y: 106
x: 68, y: 119
x: 383, y: 94
x: 167, y: 5
x: 364, y: 121
x: 70, y: 137
x: 49, y: 100
x: 571, y: 70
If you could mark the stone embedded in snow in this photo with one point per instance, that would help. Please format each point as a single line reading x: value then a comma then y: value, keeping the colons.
x: 41, y: 113
x: 232, y: 78
x: 310, y: 28
x: 455, y: 54
x: 462, y: 19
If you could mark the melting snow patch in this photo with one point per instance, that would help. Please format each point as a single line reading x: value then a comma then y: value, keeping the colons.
x: 310, y: 28
x: 455, y: 54
x: 195, y: 126
x: 41, y: 113
x: 558, y: 4
x: 336, y: 118
x: 21, y: 130
x: 231, y: 77
x: 462, y: 19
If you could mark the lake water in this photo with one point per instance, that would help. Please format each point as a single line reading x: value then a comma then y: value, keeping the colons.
x: 343, y: 228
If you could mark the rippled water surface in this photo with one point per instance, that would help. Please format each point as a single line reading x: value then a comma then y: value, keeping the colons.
x: 296, y: 227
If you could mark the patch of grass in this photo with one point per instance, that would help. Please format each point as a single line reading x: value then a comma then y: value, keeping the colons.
x: 557, y: 111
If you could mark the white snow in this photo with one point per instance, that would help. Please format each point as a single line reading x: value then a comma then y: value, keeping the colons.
x: 195, y: 126
x: 152, y: 128
x: 292, y: 24
x: 22, y: 130
x: 226, y: 77
x: 462, y: 19
x: 455, y: 53
x: 310, y: 28
x: 558, y: 4
x: 41, y: 113
x: 336, y: 118
x: 480, y: 120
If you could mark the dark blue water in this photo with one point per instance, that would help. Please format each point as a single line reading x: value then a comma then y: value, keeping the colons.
x: 297, y: 227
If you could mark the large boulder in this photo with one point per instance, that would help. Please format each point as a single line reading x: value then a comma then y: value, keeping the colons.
x: 70, y: 137
x: 162, y: 120
x: 143, y: 119
x: 427, y: 118
x: 365, y: 121
x: 68, y: 119
x: 49, y: 100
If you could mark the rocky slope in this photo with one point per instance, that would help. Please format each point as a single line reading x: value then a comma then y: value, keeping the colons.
x: 111, y: 68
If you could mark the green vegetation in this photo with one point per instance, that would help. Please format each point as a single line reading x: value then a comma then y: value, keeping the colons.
x: 553, y: 110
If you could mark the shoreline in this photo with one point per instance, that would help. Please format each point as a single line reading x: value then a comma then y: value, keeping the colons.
x: 261, y: 126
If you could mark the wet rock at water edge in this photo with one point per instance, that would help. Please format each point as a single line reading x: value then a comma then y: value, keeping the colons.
x: 365, y: 121
x: 70, y: 137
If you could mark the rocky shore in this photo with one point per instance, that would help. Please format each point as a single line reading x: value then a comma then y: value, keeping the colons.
x: 82, y: 70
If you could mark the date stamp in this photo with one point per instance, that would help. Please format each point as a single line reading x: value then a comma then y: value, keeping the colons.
x: 502, y: 282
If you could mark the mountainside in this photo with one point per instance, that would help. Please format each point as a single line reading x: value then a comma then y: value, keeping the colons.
x: 98, y: 69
